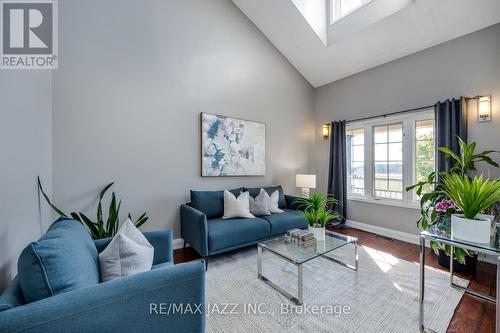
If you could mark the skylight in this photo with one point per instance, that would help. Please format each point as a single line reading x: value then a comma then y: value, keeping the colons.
x: 342, y: 8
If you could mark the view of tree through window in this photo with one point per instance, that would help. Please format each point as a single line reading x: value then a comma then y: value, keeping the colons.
x: 355, y: 140
x: 388, y: 161
x: 424, y: 150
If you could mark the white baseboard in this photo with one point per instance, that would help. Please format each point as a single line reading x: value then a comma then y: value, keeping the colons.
x: 179, y: 243
x: 385, y: 232
x: 487, y: 258
x: 403, y: 236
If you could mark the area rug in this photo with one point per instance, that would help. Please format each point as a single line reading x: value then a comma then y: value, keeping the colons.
x: 382, y: 296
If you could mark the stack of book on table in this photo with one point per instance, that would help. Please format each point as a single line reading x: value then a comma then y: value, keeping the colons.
x: 301, y: 237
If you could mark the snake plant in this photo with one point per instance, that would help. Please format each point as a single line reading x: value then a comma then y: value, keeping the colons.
x: 100, y: 228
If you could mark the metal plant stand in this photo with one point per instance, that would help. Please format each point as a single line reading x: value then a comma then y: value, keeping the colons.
x: 492, y: 248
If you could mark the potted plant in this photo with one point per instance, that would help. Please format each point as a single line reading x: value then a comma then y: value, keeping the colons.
x: 100, y: 228
x: 436, y: 208
x: 472, y: 197
x: 316, y: 211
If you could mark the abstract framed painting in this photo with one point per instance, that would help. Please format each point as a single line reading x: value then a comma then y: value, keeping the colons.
x: 232, y: 147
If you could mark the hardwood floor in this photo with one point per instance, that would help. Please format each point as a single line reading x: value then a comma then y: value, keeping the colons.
x: 471, y: 315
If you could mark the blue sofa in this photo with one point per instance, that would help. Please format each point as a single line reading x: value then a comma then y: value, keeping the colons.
x: 203, y: 227
x: 57, y: 288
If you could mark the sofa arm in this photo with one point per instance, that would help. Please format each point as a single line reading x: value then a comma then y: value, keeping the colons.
x: 290, y: 202
x: 194, y: 229
x: 138, y: 303
x: 161, y: 240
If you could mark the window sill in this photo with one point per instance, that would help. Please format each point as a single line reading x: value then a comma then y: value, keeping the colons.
x: 401, y: 204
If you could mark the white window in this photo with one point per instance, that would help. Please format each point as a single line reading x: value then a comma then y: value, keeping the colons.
x: 385, y: 155
x: 424, y: 150
x: 356, y: 161
x: 388, y: 161
x: 341, y: 8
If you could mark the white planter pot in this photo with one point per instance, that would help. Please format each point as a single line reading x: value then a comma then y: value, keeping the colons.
x: 319, y: 233
x: 477, y: 231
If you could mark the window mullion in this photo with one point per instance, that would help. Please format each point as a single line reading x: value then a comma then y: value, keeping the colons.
x: 387, y: 157
x: 408, y: 157
x: 369, y: 162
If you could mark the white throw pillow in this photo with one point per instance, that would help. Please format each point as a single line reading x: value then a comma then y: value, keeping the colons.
x: 260, y: 205
x: 128, y: 253
x: 237, y: 207
x: 273, y: 202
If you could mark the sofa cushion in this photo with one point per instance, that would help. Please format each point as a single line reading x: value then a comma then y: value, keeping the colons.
x: 12, y: 296
x: 210, y: 203
x: 254, y: 191
x: 62, y: 260
x: 290, y: 219
x: 224, y: 233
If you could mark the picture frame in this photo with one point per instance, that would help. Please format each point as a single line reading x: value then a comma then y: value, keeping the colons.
x: 232, y: 147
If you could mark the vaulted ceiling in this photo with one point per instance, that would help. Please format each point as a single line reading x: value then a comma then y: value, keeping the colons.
x: 379, y: 32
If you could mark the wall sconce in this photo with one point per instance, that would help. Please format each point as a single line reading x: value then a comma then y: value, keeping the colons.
x: 325, y: 131
x: 483, y: 109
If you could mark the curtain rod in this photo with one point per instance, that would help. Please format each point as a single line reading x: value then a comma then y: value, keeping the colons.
x: 404, y: 111
x: 391, y: 114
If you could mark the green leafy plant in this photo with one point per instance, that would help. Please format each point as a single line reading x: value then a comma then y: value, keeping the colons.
x: 100, y: 228
x: 472, y: 196
x: 315, y: 209
x: 431, y: 193
x: 467, y: 159
x: 324, y: 216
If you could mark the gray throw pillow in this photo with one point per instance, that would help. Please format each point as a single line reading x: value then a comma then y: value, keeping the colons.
x: 260, y: 206
x: 128, y: 253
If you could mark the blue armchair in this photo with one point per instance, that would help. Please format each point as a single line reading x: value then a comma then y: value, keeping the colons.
x: 138, y: 303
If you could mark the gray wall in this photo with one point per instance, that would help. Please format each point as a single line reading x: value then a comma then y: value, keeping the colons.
x: 25, y: 141
x: 467, y: 66
x: 133, y: 78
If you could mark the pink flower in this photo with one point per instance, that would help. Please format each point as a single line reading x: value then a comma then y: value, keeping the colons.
x: 444, y: 205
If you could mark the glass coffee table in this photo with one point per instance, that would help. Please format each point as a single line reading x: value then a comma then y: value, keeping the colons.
x: 298, y: 255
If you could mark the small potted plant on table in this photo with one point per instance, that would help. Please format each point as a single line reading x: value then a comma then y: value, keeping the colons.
x: 472, y: 197
x: 317, y: 213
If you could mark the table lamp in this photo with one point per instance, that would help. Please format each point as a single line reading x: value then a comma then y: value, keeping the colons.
x: 305, y: 182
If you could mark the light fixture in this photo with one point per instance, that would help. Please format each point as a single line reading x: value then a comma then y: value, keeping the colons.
x: 325, y: 131
x: 483, y: 109
x: 305, y: 182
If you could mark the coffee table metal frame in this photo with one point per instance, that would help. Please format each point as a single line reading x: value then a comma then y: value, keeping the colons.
x: 300, y: 271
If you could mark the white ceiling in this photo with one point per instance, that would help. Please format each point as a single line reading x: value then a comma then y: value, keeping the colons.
x: 419, y: 25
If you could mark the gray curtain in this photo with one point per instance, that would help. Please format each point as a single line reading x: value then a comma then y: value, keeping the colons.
x: 337, y: 173
x: 451, y: 121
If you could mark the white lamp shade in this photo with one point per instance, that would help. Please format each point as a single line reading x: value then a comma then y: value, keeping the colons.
x: 305, y: 181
